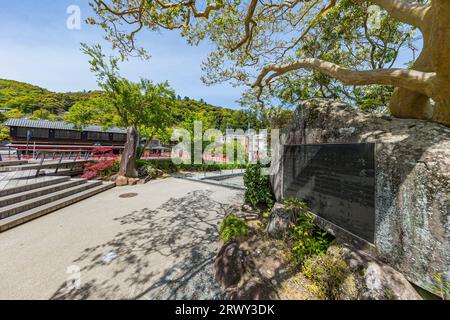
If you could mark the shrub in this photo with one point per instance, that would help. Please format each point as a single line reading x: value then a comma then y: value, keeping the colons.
x: 258, y: 188
x: 148, y: 170
x: 164, y: 165
x: 233, y: 228
x: 103, y: 168
x: 331, y: 275
x: 116, y: 166
x: 308, y: 239
x: 296, y: 206
x: 140, y: 163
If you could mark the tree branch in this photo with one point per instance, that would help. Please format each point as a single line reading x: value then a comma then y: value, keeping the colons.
x: 406, y: 11
x: 248, y: 20
x: 409, y: 79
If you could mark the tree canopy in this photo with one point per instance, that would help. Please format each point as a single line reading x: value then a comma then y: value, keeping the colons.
x: 258, y: 41
x: 145, y: 106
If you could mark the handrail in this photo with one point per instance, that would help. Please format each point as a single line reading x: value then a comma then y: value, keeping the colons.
x: 42, y: 154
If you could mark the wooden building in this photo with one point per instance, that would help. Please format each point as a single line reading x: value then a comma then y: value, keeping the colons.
x: 43, y: 134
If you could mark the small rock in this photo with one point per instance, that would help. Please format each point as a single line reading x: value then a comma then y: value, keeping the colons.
x: 132, y: 181
x: 121, y: 181
x: 145, y: 180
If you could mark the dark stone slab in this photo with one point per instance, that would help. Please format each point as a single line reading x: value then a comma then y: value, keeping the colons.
x: 337, y: 181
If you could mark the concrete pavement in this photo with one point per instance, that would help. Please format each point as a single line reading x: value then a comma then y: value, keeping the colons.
x: 159, y: 244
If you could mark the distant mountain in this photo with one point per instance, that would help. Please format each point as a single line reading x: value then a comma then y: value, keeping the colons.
x: 28, y: 98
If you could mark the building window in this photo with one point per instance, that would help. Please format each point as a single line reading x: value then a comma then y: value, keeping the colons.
x: 119, y: 137
x: 35, y: 133
x: 66, y: 134
x: 98, y: 136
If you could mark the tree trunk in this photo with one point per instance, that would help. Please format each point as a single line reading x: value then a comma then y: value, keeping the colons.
x: 128, y: 163
x: 411, y: 104
x: 435, y: 57
x: 440, y: 35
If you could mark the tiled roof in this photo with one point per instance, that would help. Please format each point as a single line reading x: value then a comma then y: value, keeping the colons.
x: 59, y: 125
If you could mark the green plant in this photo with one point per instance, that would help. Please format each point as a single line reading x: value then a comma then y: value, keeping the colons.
x: 442, y: 286
x: 331, y: 275
x: 258, y: 187
x: 149, y: 171
x: 233, y: 228
x: 295, y: 205
x: 116, y: 166
x: 308, y: 239
x: 308, y: 243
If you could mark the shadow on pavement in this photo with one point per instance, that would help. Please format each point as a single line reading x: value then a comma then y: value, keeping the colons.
x: 167, y: 253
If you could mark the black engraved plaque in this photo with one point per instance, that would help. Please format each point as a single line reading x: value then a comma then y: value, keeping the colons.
x: 337, y: 181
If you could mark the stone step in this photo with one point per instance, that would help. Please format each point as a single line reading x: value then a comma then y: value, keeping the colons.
x: 63, y: 172
x: 45, y: 165
x: 34, y: 193
x: 31, y: 186
x: 37, y: 212
x: 16, y: 208
x: 12, y: 162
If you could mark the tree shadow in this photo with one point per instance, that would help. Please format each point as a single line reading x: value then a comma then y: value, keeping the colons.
x: 166, y: 253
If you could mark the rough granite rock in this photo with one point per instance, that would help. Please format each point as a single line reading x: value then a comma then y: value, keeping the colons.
x: 412, y: 181
x: 377, y: 280
x: 279, y: 221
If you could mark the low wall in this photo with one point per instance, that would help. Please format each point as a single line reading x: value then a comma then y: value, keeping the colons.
x: 412, y: 202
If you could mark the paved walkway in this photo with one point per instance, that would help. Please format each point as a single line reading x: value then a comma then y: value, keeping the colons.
x: 160, y: 244
x: 227, y: 178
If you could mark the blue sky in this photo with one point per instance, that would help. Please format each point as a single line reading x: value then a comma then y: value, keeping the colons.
x: 36, y: 47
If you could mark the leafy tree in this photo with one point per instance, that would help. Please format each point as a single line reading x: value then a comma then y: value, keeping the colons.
x: 4, y: 133
x: 42, y: 114
x: 353, y: 43
x: 95, y: 111
x: 266, y: 36
x: 143, y: 106
x: 14, y: 114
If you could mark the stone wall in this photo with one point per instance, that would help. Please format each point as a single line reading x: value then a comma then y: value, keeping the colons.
x: 412, y: 231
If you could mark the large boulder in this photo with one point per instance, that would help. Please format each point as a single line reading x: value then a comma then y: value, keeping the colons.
x: 412, y: 227
x: 376, y: 280
x: 229, y: 266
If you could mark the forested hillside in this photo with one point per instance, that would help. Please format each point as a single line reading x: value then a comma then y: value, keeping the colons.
x: 26, y: 100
